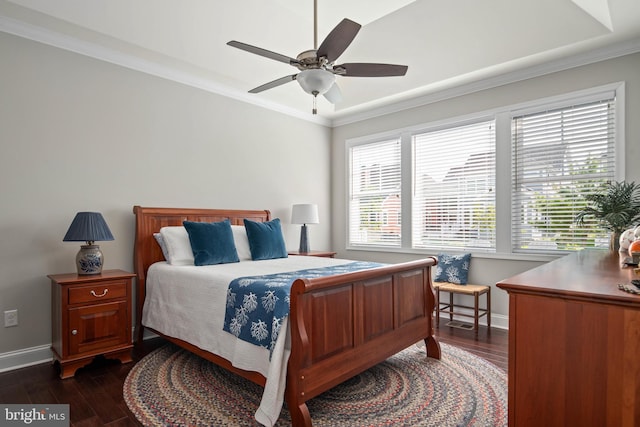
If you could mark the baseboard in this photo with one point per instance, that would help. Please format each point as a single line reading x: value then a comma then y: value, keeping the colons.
x: 147, y: 335
x: 498, y: 321
x: 12, y: 360
x: 25, y: 357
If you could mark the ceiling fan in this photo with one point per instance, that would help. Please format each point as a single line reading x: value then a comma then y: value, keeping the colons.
x: 317, y: 68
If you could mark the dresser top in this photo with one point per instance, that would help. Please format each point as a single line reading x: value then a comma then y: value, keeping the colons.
x: 588, y: 274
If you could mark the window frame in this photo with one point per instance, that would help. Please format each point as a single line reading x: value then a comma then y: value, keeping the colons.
x: 447, y: 126
x: 379, y: 140
x: 544, y: 140
x: 503, y: 117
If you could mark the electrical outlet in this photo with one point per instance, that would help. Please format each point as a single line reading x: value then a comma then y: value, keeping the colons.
x: 10, y: 318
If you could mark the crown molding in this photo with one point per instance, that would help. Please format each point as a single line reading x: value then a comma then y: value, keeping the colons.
x: 412, y: 99
x: 114, y: 56
x: 553, y: 66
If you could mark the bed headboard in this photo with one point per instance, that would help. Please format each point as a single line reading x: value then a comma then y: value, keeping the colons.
x: 150, y: 220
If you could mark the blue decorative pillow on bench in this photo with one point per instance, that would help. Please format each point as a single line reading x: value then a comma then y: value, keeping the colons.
x: 453, y: 268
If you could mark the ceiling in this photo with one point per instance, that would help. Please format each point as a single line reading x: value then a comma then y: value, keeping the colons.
x: 447, y: 45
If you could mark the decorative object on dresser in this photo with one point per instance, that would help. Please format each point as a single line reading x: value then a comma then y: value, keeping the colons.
x: 304, y: 214
x: 88, y: 227
x: 574, y: 341
x: 627, y: 238
x: 90, y: 316
x: 616, y: 207
x: 634, y: 248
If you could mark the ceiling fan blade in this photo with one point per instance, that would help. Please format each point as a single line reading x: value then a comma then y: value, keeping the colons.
x: 358, y: 69
x: 275, y: 83
x: 333, y: 95
x: 263, y: 52
x: 338, y: 39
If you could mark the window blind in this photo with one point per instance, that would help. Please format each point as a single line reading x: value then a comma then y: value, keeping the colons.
x: 560, y: 156
x: 454, y: 187
x: 375, y: 196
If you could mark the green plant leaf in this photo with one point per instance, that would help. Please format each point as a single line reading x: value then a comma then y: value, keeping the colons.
x: 616, y: 207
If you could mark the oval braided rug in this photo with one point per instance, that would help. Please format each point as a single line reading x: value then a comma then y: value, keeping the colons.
x: 171, y: 386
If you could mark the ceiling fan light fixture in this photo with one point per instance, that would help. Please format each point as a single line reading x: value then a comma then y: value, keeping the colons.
x: 316, y: 81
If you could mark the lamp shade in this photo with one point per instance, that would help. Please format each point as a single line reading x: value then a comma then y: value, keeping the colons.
x: 316, y: 81
x: 304, y: 214
x: 88, y: 227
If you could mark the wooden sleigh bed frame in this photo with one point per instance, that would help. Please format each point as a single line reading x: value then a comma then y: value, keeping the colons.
x: 340, y: 325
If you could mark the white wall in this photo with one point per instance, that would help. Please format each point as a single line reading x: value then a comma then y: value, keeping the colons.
x: 80, y: 134
x: 488, y: 271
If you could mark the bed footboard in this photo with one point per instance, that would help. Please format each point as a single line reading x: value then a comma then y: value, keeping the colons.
x: 343, y: 325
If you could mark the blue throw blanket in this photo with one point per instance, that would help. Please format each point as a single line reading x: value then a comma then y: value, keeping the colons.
x: 257, y: 305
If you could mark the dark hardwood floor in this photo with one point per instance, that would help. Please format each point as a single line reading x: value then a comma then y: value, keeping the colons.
x: 95, y: 393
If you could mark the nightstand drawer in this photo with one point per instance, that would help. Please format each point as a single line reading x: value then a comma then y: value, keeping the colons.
x: 102, y: 291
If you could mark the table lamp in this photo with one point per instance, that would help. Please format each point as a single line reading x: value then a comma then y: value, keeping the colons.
x: 304, y: 214
x: 88, y: 227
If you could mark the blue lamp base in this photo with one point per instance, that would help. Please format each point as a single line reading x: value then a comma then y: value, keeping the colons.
x: 89, y: 260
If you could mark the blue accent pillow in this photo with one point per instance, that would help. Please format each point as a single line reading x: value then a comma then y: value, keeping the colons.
x: 453, y: 268
x: 211, y: 242
x: 265, y: 239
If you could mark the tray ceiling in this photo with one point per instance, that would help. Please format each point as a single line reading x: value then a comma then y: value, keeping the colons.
x: 446, y: 44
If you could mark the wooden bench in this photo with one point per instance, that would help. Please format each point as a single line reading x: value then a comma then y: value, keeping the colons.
x: 451, y: 308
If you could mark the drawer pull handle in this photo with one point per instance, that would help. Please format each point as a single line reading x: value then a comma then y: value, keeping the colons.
x: 74, y: 332
x: 101, y: 295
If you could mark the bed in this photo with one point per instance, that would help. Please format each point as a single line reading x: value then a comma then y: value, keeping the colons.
x: 338, y: 326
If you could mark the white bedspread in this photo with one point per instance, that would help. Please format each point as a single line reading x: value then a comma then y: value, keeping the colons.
x: 188, y: 302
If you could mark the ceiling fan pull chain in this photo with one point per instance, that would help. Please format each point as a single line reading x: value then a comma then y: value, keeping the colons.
x: 315, y: 107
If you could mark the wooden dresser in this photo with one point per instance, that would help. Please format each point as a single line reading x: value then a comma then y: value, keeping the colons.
x: 574, y: 343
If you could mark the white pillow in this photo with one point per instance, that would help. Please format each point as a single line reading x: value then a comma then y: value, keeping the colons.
x: 162, y: 245
x: 178, y: 245
x: 242, y: 242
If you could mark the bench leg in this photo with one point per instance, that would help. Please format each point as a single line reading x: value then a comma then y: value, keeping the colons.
x: 450, y: 306
x: 476, y: 311
x: 489, y: 309
x: 437, y: 307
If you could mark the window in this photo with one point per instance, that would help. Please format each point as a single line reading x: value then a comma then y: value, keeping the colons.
x: 559, y: 157
x: 453, y: 187
x: 508, y: 181
x: 374, y: 206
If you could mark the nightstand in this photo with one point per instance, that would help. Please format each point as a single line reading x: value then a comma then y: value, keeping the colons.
x: 326, y: 254
x: 90, y: 316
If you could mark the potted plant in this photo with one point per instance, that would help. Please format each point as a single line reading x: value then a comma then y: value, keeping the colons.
x: 616, y: 207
